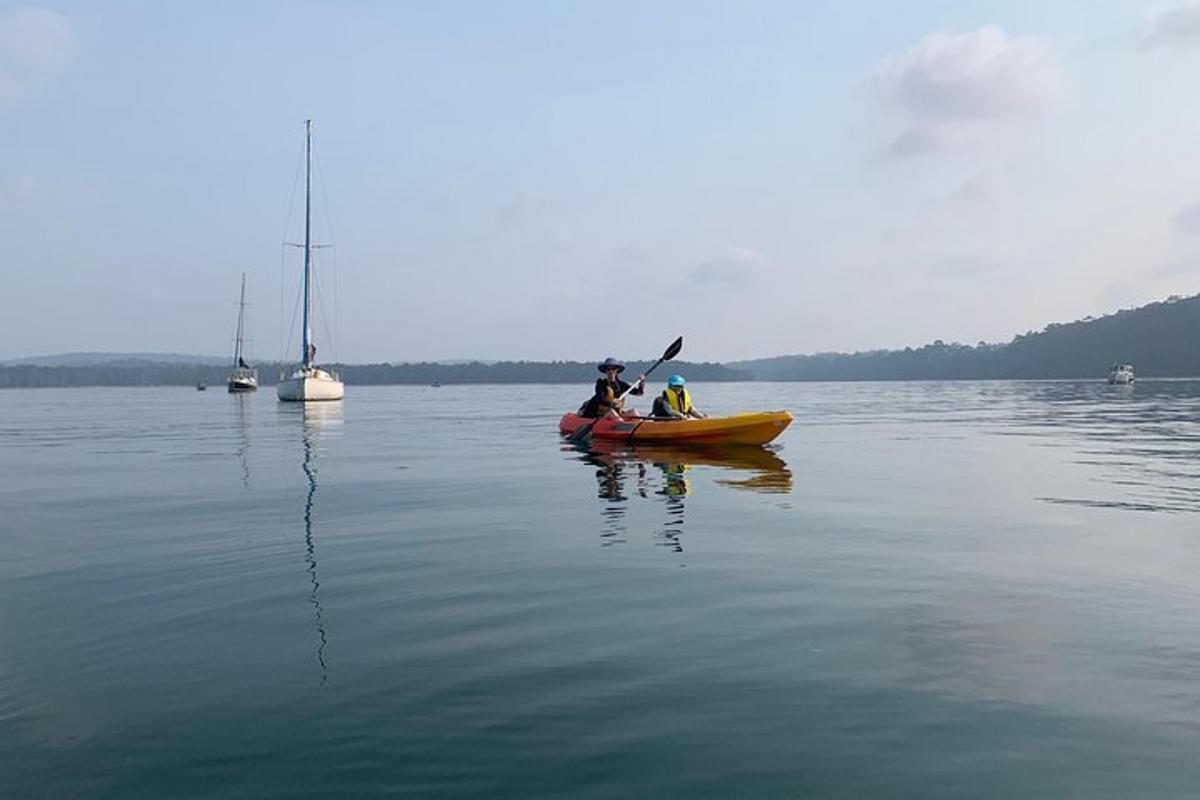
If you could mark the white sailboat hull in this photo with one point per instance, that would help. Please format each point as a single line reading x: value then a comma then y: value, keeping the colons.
x: 1121, y: 374
x: 304, y: 386
x: 243, y: 380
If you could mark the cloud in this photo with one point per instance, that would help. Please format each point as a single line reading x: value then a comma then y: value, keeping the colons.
x: 735, y: 267
x: 974, y: 191
x: 25, y: 189
x: 630, y: 255
x: 1180, y: 265
x: 1177, y: 25
x: 970, y: 263
x: 520, y: 208
x: 35, y: 44
x: 1187, y: 220
x: 950, y: 87
x: 1117, y: 294
x: 1185, y: 223
x: 922, y: 139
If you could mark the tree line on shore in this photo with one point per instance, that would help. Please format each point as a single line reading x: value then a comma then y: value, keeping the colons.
x: 159, y: 374
x: 1160, y: 339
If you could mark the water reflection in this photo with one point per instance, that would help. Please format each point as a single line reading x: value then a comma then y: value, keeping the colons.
x: 757, y: 469
x: 1143, y: 438
x: 243, y: 429
x: 1139, y: 443
x: 675, y: 488
x: 669, y: 475
x: 610, y: 488
x: 319, y: 420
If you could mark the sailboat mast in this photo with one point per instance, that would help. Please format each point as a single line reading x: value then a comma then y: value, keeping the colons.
x: 306, y: 353
x: 237, y: 347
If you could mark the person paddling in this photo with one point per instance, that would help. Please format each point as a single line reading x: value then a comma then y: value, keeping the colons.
x: 606, y: 402
x: 675, y: 401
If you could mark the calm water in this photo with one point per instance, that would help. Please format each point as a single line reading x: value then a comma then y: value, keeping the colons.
x: 924, y: 590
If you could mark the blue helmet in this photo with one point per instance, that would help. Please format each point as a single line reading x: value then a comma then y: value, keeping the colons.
x: 676, y: 380
x: 611, y: 363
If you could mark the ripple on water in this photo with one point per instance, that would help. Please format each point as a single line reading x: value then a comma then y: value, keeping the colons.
x: 920, y: 590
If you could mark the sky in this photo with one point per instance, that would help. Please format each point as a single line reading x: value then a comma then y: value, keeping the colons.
x: 570, y: 180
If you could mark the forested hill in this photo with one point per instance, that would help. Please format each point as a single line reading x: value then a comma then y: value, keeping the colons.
x: 1160, y: 340
x: 124, y: 372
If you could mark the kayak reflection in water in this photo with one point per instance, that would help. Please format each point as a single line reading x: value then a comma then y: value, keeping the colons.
x: 669, y: 474
x: 675, y: 488
x: 611, y: 477
x: 675, y: 482
x: 675, y: 402
x: 610, y: 487
x: 607, y: 401
x: 757, y: 469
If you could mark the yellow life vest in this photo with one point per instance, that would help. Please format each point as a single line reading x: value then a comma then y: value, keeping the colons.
x: 676, y: 483
x: 675, y: 403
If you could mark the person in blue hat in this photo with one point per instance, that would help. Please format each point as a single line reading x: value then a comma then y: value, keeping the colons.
x: 607, y: 400
x: 676, y: 401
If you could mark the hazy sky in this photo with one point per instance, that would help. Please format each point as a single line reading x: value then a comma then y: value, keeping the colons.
x: 569, y: 180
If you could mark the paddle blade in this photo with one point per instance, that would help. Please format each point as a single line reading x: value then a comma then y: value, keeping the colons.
x: 673, y: 350
x: 579, y: 434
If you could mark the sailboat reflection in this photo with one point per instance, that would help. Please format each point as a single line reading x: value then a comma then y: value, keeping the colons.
x: 243, y: 427
x: 667, y: 472
x: 320, y: 420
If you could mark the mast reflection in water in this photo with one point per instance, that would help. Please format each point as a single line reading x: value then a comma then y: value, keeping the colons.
x: 243, y: 449
x: 320, y: 420
x: 664, y: 473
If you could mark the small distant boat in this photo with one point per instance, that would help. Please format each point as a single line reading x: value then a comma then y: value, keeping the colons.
x: 308, y: 382
x: 200, y: 387
x: 436, y: 384
x: 1121, y: 374
x: 244, y: 378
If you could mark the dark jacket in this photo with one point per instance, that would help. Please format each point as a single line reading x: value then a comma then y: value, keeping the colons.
x: 606, y: 396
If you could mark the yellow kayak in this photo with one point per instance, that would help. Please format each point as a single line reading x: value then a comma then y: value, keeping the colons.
x: 757, y: 427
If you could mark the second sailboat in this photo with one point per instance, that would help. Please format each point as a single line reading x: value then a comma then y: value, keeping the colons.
x: 243, y: 378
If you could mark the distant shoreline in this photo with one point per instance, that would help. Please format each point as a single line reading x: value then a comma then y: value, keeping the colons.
x: 1159, y: 339
x: 219, y: 382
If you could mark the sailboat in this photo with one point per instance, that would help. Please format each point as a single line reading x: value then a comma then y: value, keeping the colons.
x: 243, y: 378
x: 308, y: 382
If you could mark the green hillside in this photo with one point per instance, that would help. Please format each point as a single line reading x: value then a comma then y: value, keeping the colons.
x: 1160, y: 340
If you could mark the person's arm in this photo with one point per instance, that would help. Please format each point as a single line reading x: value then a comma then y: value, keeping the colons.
x: 639, y: 388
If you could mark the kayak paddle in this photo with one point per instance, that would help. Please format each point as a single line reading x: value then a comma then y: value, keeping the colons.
x: 667, y: 355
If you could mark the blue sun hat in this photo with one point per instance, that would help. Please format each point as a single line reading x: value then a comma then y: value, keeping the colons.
x: 676, y: 380
x: 610, y: 363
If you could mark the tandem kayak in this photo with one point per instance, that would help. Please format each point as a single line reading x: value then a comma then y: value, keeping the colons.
x: 758, y: 427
